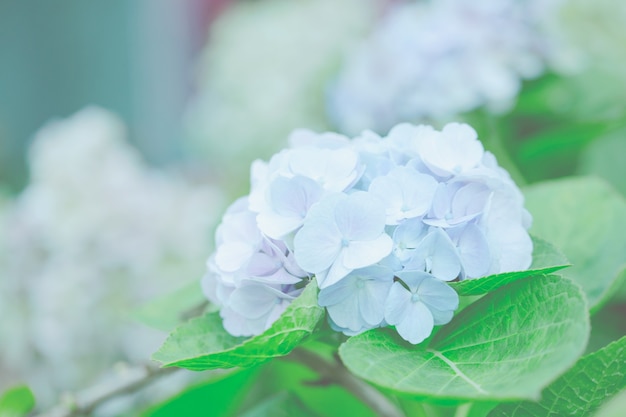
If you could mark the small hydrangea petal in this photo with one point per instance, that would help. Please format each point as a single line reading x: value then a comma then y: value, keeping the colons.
x: 406, y: 193
x: 360, y: 216
x: 474, y: 251
x: 231, y: 256
x: 359, y: 254
x: 397, y: 303
x: 317, y: 246
x: 407, y: 236
x: 438, y: 295
x: 455, y: 150
x: 417, y: 325
x: 436, y: 254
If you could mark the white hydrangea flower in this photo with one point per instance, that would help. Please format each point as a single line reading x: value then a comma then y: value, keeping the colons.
x: 263, y: 73
x: 94, y: 234
x: 438, y: 59
x: 381, y: 222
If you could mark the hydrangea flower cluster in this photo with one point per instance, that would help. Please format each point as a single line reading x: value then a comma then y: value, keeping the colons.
x: 435, y: 60
x: 94, y: 234
x: 381, y: 222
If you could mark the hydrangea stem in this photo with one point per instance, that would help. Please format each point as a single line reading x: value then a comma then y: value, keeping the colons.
x: 337, y: 373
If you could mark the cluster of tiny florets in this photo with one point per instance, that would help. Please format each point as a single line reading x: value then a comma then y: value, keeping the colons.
x: 382, y: 223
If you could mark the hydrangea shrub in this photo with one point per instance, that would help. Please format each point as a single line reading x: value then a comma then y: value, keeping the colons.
x: 409, y: 257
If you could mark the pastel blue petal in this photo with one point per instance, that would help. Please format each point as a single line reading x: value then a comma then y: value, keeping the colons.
x: 333, y: 274
x: 316, y: 245
x: 397, y: 303
x: 417, y: 324
x: 441, y: 317
x: 438, y: 294
x: 436, y: 254
x: 359, y: 254
x: 372, y: 298
x: 336, y: 293
x: 413, y: 279
x: 346, y: 314
x: 360, y: 216
x: 474, y: 251
x: 344, y: 330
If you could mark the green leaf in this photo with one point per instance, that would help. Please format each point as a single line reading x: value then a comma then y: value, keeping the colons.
x: 506, y: 346
x: 313, y: 392
x: 554, y: 151
x: 16, y: 402
x: 166, y: 312
x: 594, y: 379
x: 221, y: 395
x: 614, y: 407
x: 546, y: 259
x: 586, y: 219
x: 202, y: 343
x: 605, y: 157
x: 280, y: 405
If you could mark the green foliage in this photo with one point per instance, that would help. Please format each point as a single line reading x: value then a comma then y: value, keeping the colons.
x: 581, y: 390
x: 314, y: 392
x: 605, y: 157
x: 586, y: 219
x: 221, y: 396
x: 202, y: 343
x: 546, y: 259
x: 16, y: 402
x: 280, y: 405
x: 507, y: 345
x: 554, y: 151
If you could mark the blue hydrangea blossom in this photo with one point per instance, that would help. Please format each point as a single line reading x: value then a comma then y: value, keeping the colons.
x: 382, y: 223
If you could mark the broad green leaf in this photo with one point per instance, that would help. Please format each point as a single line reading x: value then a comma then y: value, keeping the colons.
x: 608, y: 324
x: 546, y: 259
x: 605, y: 157
x: 16, y: 402
x: 594, y: 379
x: 586, y: 219
x: 553, y: 152
x: 614, y: 407
x: 202, y: 343
x: 506, y: 346
x: 166, y: 312
x: 315, y: 393
x: 280, y: 405
x: 221, y: 396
